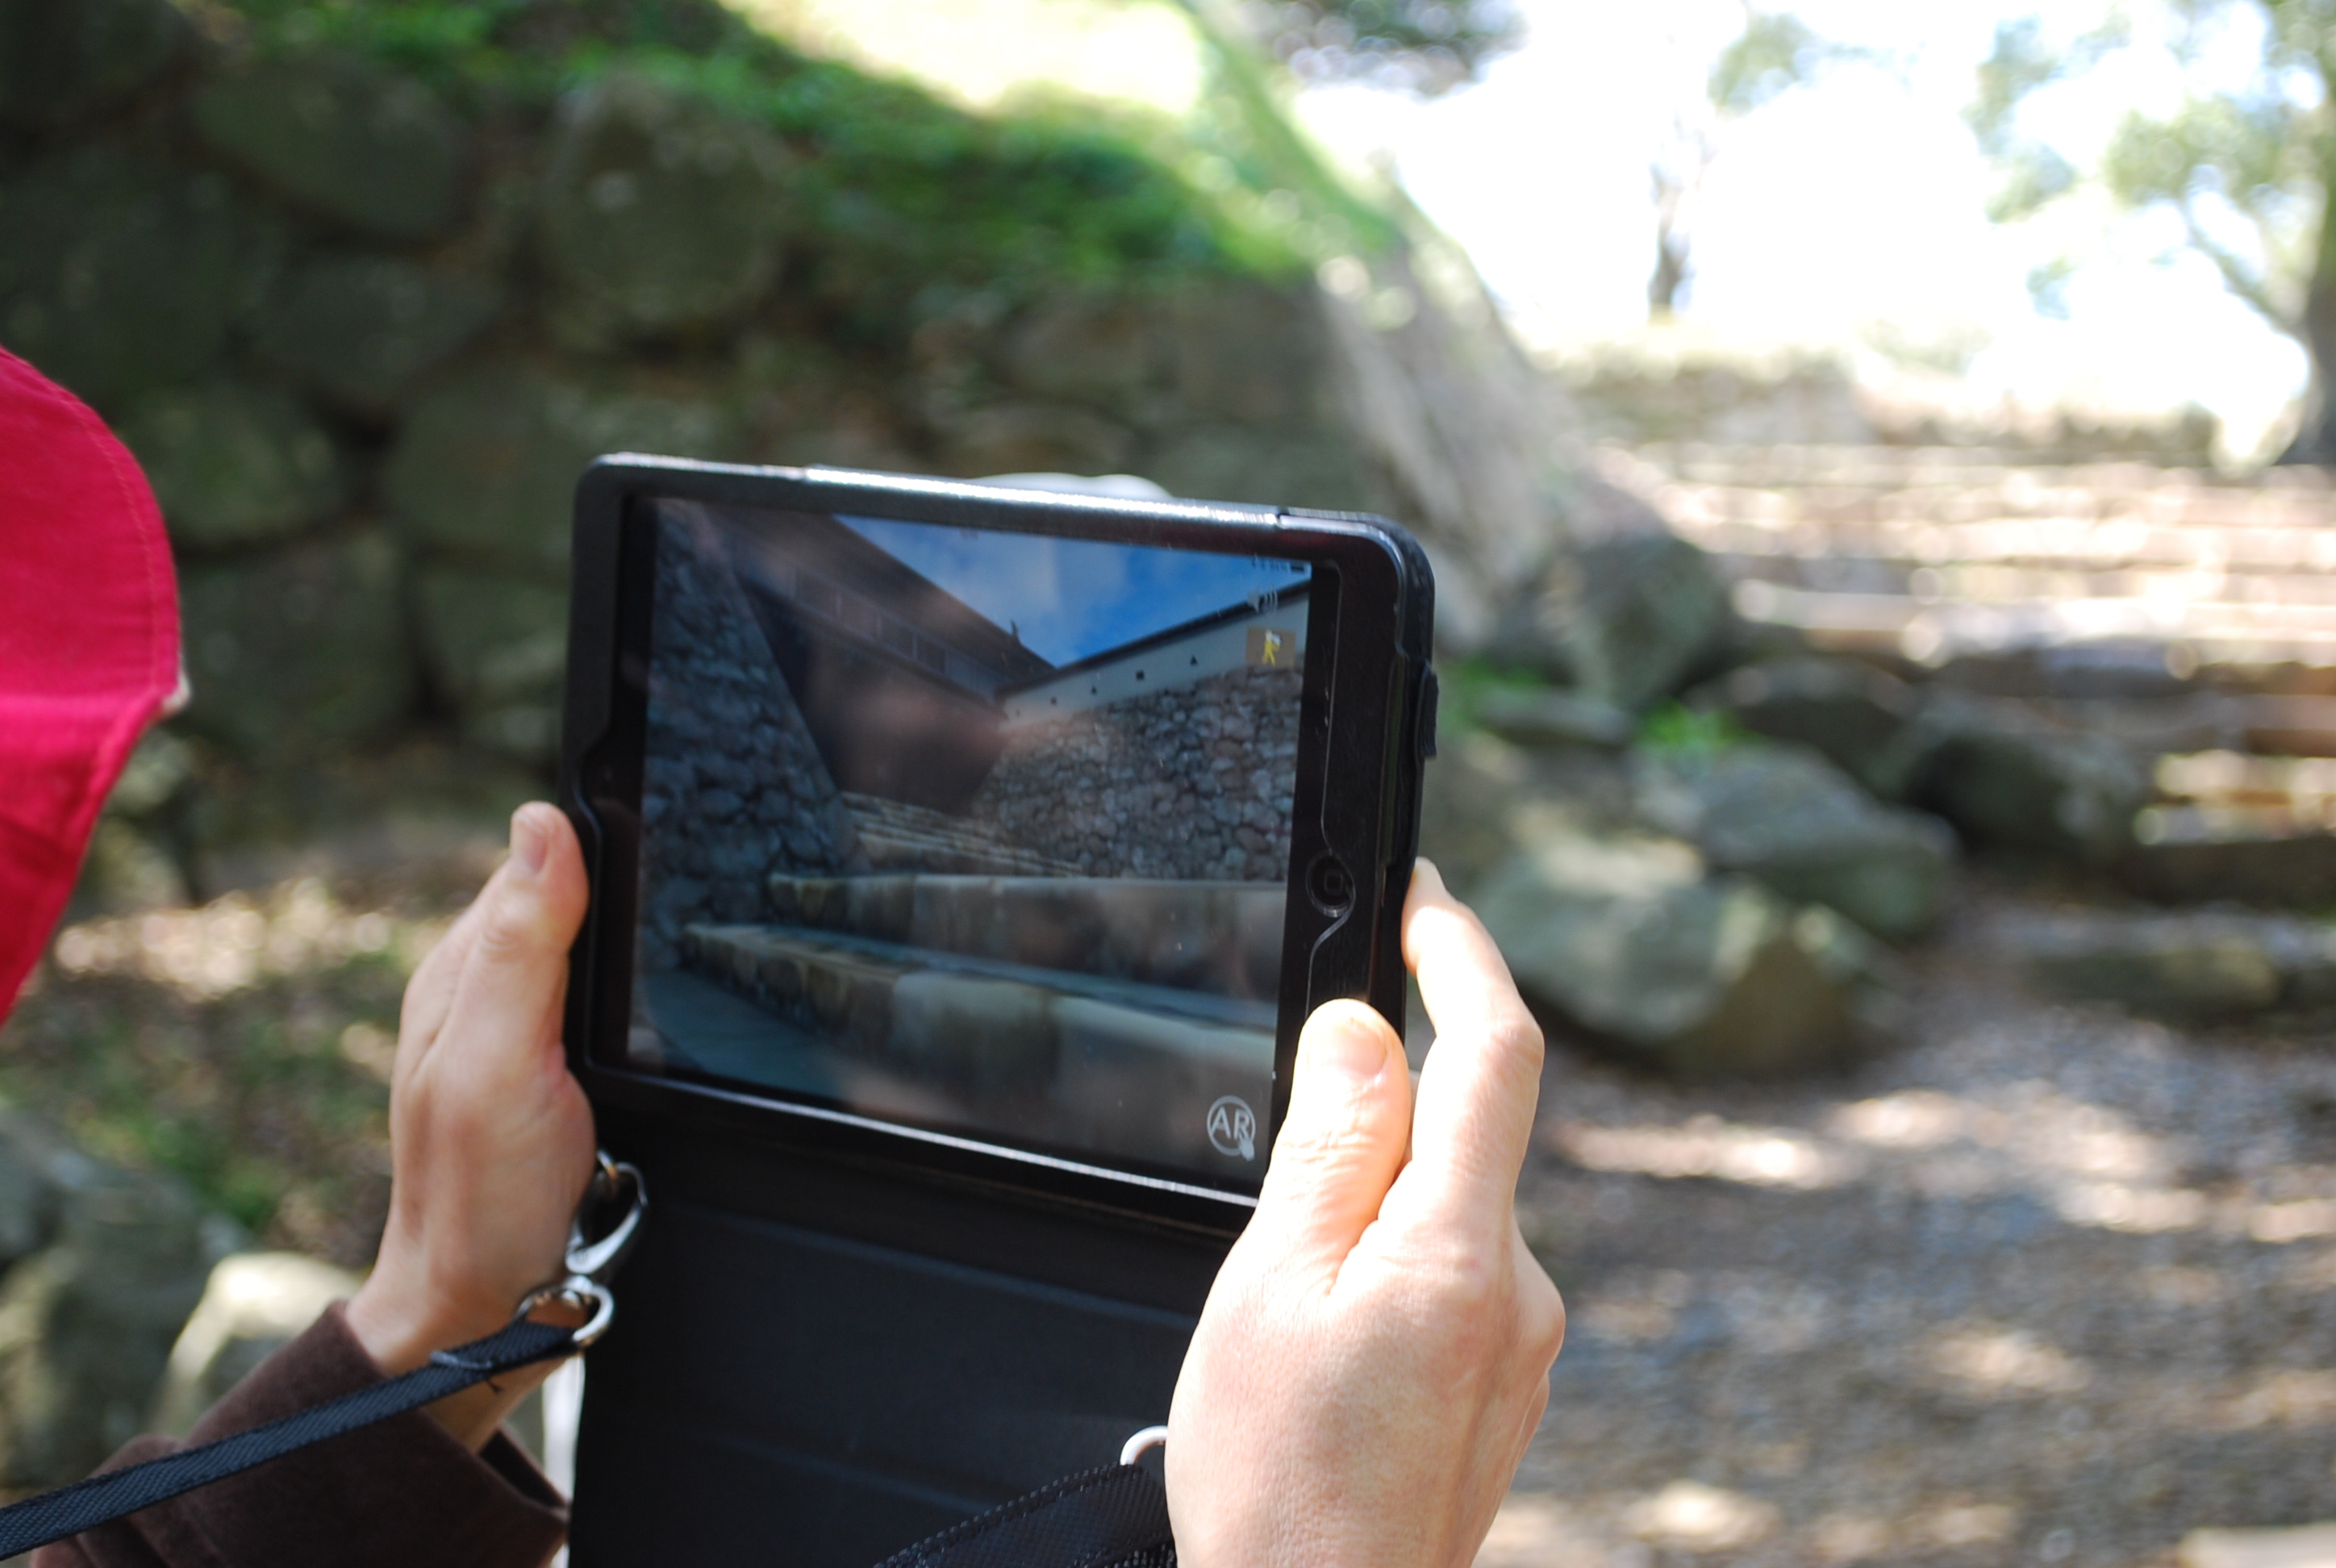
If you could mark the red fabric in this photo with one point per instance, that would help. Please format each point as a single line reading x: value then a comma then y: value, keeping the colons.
x: 89, y: 644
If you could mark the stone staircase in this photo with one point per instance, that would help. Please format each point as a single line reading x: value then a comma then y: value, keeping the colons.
x: 899, y: 836
x: 1102, y: 1014
x: 2189, y: 615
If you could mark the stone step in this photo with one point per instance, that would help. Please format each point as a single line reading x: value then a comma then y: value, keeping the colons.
x: 1932, y: 631
x: 1072, y: 1060
x: 1222, y: 937
x: 896, y: 835
x: 2155, y: 556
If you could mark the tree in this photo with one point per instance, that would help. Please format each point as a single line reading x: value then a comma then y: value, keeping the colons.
x: 1426, y: 46
x: 2244, y: 161
x: 1775, y: 53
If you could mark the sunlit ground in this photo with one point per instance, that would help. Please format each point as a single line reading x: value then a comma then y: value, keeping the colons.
x: 245, y: 1045
x: 2046, y: 1284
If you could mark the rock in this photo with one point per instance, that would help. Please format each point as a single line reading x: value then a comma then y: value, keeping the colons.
x: 1631, y: 939
x: 304, y: 648
x: 253, y: 1304
x: 1554, y: 718
x: 61, y: 63
x: 498, y: 647
x: 1229, y: 462
x: 344, y: 140
x: 116, y: 277
x: 2004, y: 775
x: 233, y: 463
x: 361, y: 331
x: 1482, y: 797
x: 659, y: 214
x: 487, y: 465
x: 2290, y: 870
x: 1028, y: 437
x: 1252, y: 355
x: 1850, y: 711
x: 86, y: 1324
x: 2195, y: 966
x: 1097, y: 347
x: 1626, y: 620
x: 1804, y: 829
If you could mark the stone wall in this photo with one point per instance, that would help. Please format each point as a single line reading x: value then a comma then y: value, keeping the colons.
x: 734, y: 789
x: 365, y: 318
x: 1194, y: 782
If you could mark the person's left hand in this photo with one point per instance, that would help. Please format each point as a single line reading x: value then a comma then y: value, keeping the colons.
x: 490, y: 1137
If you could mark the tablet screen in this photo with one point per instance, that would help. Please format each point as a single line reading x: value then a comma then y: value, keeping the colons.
x: 972, y: 831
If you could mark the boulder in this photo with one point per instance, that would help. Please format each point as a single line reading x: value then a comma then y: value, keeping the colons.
x: 1550, y: 717
x: 1252, y: 355
x: 1232, y: 462
x: 486, y: 466
x: 1850, y: 711
x: 2288, y: 869
x: 116, y: 277
x: 497, y: 646
x: 1034, y: 438
x: 659, y: 214
x: 1482, y: 797
x: 361, y: 331
x: 252, y: 1305
x: 2005, y: 775
x: 63, y: 63
x: 233, y: 463
x: 2186, y: 966
x: 1631, y: 939
x: 343, y: 139
x: 1804, y: 829
x: 86, y: 1324
x: 1627, y: 619
x: 1098, y: 347
x: 303, y: 649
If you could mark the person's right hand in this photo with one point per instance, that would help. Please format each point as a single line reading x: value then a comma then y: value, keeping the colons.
x: 1374, y: 1354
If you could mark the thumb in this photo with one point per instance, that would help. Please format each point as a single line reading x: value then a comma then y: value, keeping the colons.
x: 516, y: 971
x: 1342, y: 1140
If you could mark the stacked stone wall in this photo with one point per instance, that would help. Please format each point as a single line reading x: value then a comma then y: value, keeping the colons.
x: 1194, y: 782
x: 732, y: 789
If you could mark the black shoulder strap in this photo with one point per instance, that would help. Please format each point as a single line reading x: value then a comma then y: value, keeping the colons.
x: 1115, y: 1516
x: 69, y: 1510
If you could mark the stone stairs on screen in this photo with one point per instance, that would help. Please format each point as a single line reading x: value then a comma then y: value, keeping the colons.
x: 899, y: 836
x: 1110, y: 1013
x: 2187, y: 614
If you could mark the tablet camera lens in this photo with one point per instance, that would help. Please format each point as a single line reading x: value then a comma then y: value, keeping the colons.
x: 1331, y: 884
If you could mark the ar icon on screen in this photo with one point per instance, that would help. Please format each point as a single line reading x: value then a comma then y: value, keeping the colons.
x: 1232, y: 1127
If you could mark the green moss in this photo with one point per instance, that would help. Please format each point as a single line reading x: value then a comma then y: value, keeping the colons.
x: 1678, y: 730
x: 905, y: 201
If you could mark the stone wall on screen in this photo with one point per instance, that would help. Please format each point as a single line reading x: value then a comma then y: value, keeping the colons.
x: 1191, y: 783
x: 732, y: 789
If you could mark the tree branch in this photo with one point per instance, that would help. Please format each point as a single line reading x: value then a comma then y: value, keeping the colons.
x: 2236, y: 277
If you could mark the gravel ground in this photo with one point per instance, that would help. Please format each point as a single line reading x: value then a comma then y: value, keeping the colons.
x: 2045, y: 1283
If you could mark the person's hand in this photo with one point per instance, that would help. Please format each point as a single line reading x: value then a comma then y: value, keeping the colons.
x: 1374, y: 1354
x: 490, y: 1137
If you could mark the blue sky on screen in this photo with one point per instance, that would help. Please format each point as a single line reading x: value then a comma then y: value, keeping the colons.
x: 1072, y: 598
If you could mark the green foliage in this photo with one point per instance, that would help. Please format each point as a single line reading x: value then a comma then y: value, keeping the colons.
x: 1424, y: 46
x: 2244, y: 164
x: 903, y: 195
x: 1677, y: 730
x: 1776, y: 52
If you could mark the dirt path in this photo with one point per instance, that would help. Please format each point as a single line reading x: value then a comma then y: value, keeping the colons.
x: 2046, y: 1283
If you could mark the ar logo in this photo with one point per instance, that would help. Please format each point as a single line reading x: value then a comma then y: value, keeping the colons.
x: 1232, y: 1127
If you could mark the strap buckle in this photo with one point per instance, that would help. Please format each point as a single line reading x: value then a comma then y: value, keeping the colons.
x: 597, y: 1248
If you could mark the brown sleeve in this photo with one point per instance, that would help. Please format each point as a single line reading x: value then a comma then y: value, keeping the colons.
x: 391, y: 1495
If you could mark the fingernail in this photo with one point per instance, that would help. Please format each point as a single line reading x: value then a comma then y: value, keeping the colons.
x: 1346, y: 1046
x: 528, y: 841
